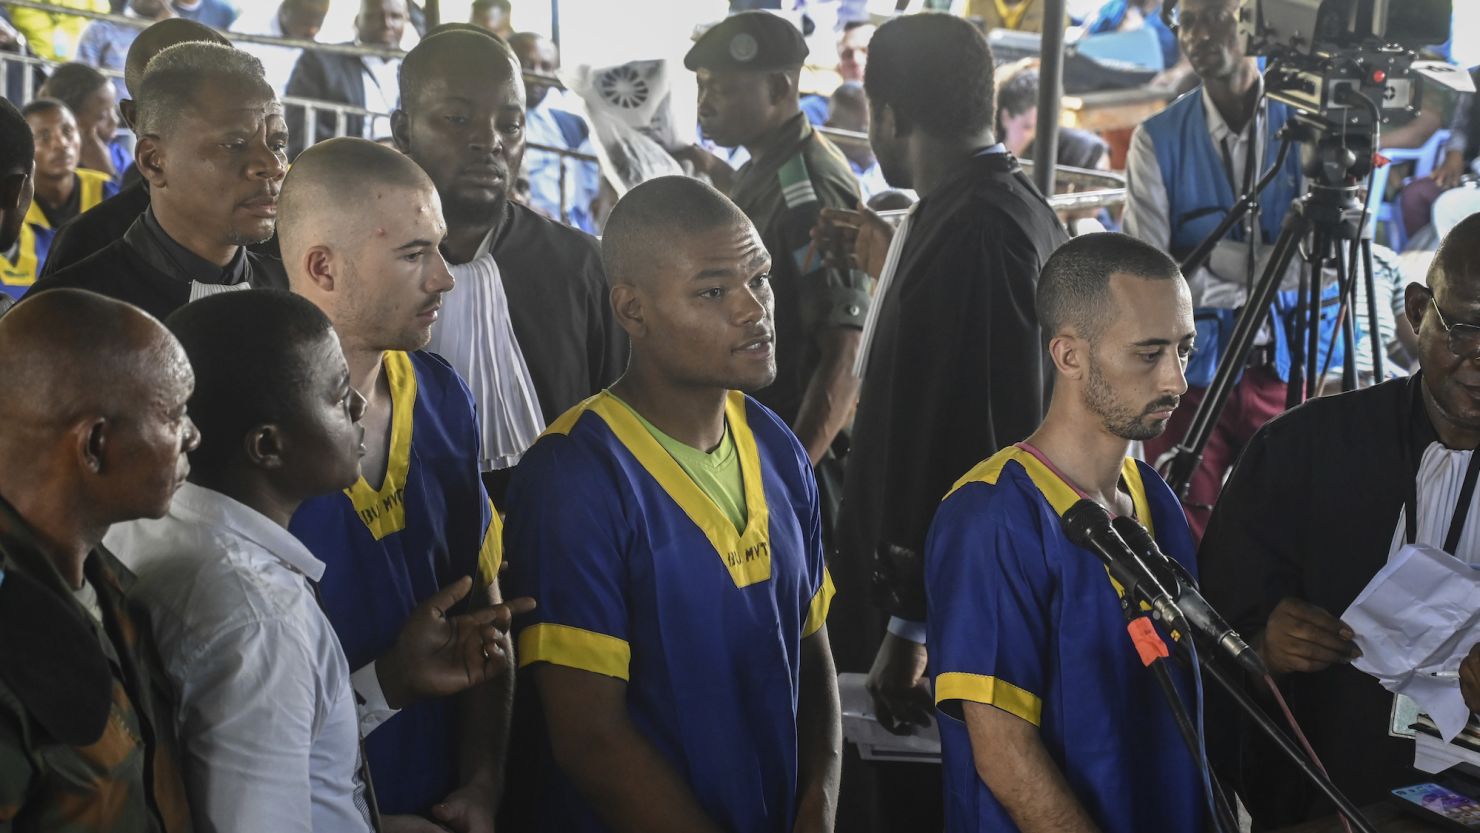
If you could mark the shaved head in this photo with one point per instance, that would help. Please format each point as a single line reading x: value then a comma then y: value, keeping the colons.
x: 158, y: 38
x: 1074, y: 287
x: 360, y: 225
x: 642, y: 229
x: 74, y: 353
x: 1458, y: 258
x: 691, y: 286
x: 327, y: 181
x: 93, y: 404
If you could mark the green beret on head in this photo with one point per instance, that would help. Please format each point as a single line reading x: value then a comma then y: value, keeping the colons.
x: 749, y: 40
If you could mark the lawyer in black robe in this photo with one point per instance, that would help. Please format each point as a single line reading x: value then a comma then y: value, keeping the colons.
x: 956, y: 370
x: 150, y: 270
x: 1310, y: 512
x: 558, y: 305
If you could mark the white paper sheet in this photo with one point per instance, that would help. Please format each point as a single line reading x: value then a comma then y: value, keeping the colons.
x: 1419, y: 614
x: 874, y: 742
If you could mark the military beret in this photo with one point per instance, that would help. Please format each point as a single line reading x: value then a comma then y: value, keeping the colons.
x: 748, y: 40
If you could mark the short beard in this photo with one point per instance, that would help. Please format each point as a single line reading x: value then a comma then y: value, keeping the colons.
x: 471, y: 213
x: 1116, y: 417
x: 240, y: 238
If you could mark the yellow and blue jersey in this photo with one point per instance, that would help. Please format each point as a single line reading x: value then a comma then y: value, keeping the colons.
x: 641, y: 577
x: 17, y: 276
x: 388, y: 548
x: 1023, y: 620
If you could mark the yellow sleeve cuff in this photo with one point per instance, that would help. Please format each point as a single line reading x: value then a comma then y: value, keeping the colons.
x: 989, y: 691
x: 821, y: 603
x: 575, y: 648
x: 491, y: 553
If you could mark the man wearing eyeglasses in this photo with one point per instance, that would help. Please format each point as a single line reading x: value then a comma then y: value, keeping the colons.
x: 1319, y: 501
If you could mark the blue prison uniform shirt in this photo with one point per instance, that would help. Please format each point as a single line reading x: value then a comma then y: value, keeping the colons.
x: 388, y: 549
x: 34, y: 243
x: 1023, y: 620
x: 640, y: 576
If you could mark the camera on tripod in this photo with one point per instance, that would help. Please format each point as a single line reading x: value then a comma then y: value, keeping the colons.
x: 1326, y: 56
x: 1341, y: 68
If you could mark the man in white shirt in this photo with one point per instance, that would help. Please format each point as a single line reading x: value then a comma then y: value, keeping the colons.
x: 300, y: 19
x: 266, y: 709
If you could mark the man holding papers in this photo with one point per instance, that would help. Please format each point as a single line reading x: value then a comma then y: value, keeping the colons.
x: 1321, y: 499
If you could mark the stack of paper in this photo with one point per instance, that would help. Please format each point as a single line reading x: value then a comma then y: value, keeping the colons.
x: 1419, y: 616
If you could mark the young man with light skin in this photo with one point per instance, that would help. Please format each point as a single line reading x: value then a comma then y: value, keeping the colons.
x: 417, y: 519
x: 1050, y: 723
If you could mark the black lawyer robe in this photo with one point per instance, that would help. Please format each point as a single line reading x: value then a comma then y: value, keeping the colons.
x: 562, y: 316
x: 156, y: 275
x: 1309, y: 512
x: 956, y: 371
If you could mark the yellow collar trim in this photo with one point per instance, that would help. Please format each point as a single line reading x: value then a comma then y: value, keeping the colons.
x: 23, y: 272
x: 91, y: 183
x: 1060, y: 495
x: 747, y: 555
x: 1012, y: 16
x: 383, y: 510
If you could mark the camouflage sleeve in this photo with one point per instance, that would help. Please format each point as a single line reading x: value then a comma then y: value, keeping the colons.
x: 829, y: 297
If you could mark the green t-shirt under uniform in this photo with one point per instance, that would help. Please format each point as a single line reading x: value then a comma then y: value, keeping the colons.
x: 716, y: 473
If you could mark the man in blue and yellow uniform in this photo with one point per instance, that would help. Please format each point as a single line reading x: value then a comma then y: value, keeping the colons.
x: 63, y: 191
x: 1049, y: 721
x: 748, y: 68
x: 17, y: 162
x: 670, y: 529
x: 417, y: 519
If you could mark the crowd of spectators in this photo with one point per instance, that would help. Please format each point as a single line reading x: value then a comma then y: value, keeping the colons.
x: 871, y: 185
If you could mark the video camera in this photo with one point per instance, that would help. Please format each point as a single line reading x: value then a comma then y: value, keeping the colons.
x: 1347, y: 65
x: 1329, y: 58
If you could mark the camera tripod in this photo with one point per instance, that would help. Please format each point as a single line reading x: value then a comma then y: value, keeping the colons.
x: 1330, y: 215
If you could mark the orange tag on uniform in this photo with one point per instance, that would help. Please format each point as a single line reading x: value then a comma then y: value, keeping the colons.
x: 1147, y: 640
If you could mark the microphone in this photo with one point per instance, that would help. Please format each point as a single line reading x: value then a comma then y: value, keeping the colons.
x: 1088, y: 525
x: 1201, y: 615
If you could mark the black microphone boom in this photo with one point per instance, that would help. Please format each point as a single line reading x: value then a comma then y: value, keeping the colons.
x: 1199, y: 613
x: 1088, y: 525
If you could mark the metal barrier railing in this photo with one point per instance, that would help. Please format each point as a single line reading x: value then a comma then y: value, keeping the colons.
x: 245, y: 37
x: 1105, y: 188
x: 30, y: 65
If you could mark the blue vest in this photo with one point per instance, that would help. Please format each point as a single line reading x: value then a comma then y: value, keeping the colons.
x: 1199, y: 195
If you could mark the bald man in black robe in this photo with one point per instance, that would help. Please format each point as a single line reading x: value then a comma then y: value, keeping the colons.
x: 1319, y: 501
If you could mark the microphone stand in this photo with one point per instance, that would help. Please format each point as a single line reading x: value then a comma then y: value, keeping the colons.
x: 1312, y: 773
x: 1223, y: 818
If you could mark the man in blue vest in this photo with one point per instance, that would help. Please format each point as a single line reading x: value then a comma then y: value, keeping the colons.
x: 1187, y: 166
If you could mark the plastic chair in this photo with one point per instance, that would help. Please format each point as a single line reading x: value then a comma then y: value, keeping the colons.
x: 1386, y: 213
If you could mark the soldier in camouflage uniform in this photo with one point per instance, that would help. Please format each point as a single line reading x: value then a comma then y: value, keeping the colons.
x: 98, y: 437
x: 748, y: 68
